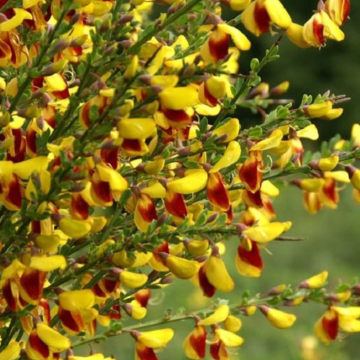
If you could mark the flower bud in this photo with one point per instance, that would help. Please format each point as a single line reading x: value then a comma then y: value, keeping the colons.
x: 277, y: 318
x: 315, y: 281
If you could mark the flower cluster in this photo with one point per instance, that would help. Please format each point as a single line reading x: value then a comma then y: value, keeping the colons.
x: 123, y: 166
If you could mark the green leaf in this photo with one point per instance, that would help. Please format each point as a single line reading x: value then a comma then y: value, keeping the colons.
x: 255, y: 132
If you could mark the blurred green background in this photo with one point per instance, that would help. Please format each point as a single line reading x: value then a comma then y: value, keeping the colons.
x: 332, y: 237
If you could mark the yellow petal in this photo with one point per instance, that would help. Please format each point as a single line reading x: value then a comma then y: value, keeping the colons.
x: 25, y: 168
x: 266, y: 232
x: 333, y: 114
x: 279, y: 319
x: 193, y: 181
x: 239, y: 39
x: 239, y: 5
x: 231, y: 156
x: 132, y: 280
x: 164, y: 80
x: 11, y: 352
x: 315, y: 281
x: 132, y: 68
x: 228, y: 338
x: 269, y: 189
x: 312, y: 185
x: 271, y: 142
x: 218, y: 275
x: 154, y: 167
x: 219, y: 315
x: 76, y: 300
x: 277, y: 13
x: 137, y: 311
x: 155, y: 190
x: 48, y: 263
x: 156, y: 339
x: 75, y: 229
x: 309, y: 132
x: 54, y: 340
x: 179, y: 98
x: 349, y: 324
x: 295, y: 34
x: 340, y: 175
x: 136, y: 128
x: 116, y: 181
x: 319, y: 110
x: 232, y: 323
x: 16, y: 20
x: 350, y: 311
x: 328, y: 164
x: 230, y: 128
x: 182, y: 268
x: 331, y: 30
x: 55, y: 82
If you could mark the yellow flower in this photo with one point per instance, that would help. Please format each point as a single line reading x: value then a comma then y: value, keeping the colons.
x: 261, y: 14
x: 319, y: 28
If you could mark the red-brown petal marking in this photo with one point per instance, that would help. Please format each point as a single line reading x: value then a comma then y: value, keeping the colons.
x: 250, y: 173
x: 36, y: 344
x: 216, y: 191
x: 102, y: 191
x: 31, y: 140
x: 36, y: 227
x: 15, y: 192
x: 198, y: 341
x: 143, y: 296
x: 71, y: 320
x: 219, y: 45
x: 262, y: 18
x: 175, y: 204
x: 269, y: 207
x: 179, y: 118
x: 329, y: 190
x: 84, y: 115
x: 146, y: 207
x: 79, y: 207
x: 5, y: 50
x: 63, y: 94
x: 253, y: 199
x: 131, y: 145
x: 212, y: 100
x: 145, y: 353
x: 251, y: 257
x: 185, y: 132
x: 98, y: 291
x: 215, y: 350
x: 346, y: 10
x: 32, y: 282
x: 109, y: 285
x: 318, y: 31
x: 115, y: 312
x: 38, y: 83
x: 164, y: 247
x: 48, y: 113
x: 331, y: 326
x: 110, y: 157
x: 8, y: 294
x: 208, y: 289
x: 45, y: 311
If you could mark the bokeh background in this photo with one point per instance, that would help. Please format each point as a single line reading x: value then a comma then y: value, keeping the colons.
x: 332, y: 237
